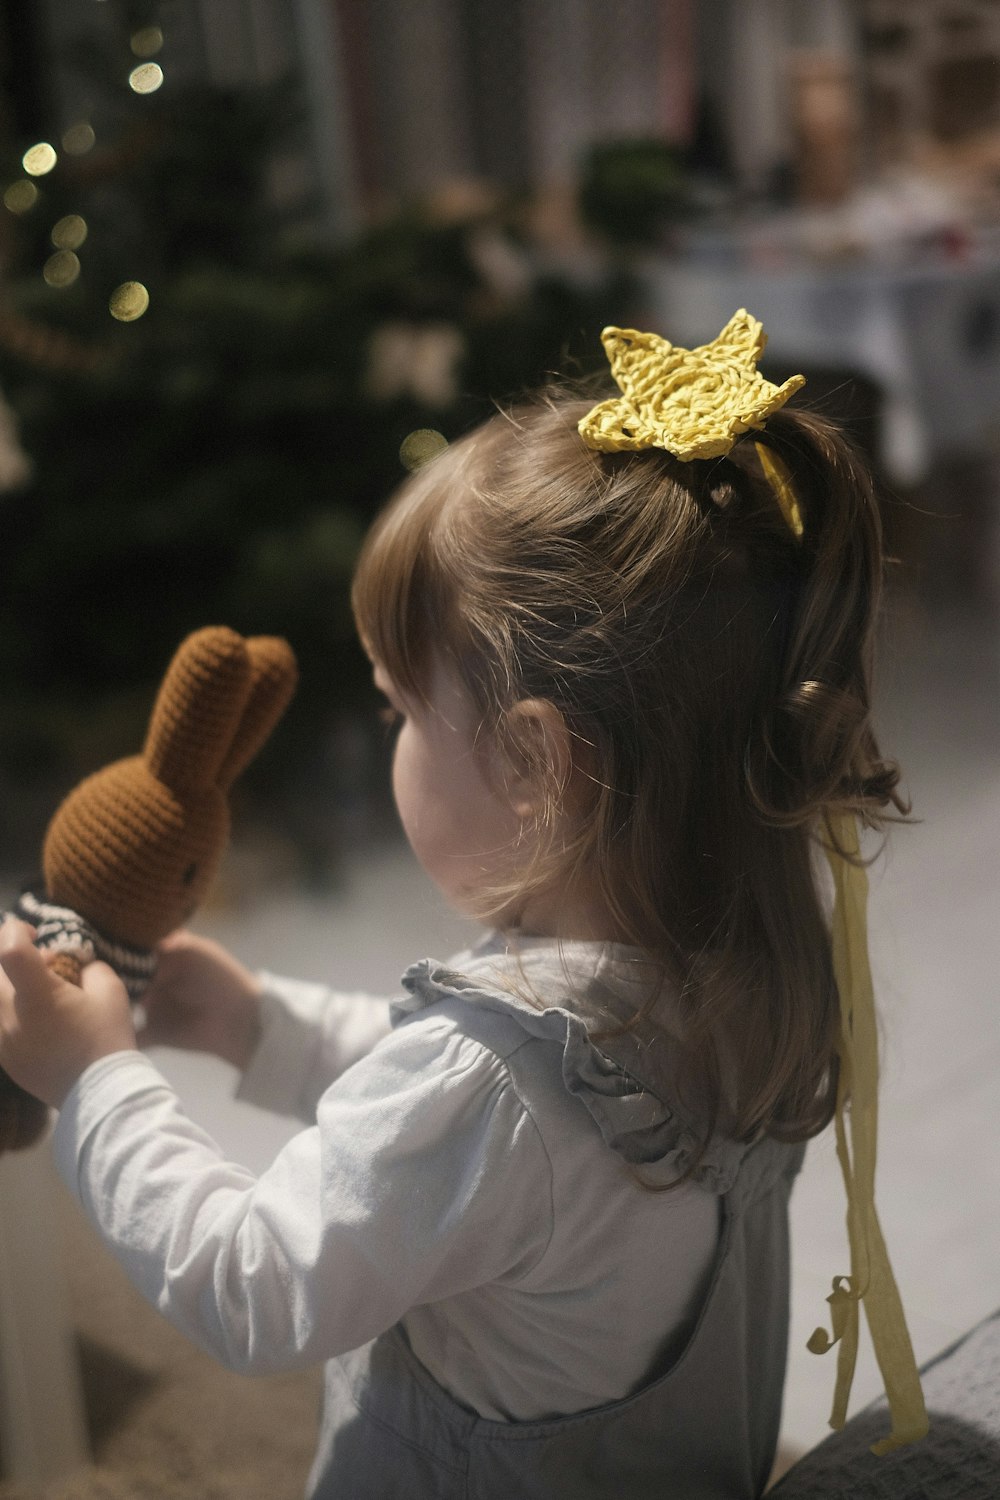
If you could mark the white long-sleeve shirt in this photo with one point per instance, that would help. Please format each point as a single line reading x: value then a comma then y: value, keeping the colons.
x: 466, y: 1173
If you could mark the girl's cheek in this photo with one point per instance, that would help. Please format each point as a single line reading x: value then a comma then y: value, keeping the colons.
x: 405, y: 776
x: 397, y: 773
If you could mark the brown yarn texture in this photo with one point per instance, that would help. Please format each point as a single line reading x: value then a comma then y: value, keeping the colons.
x: 135, y: 847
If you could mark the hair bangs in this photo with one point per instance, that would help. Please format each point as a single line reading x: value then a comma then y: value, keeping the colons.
x: 400, y: 594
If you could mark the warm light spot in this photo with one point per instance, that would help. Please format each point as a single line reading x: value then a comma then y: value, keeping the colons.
x: 418, y: 448
x: 69, y: 233
x: 147, y: 42
x: 146, y: 78
x: 79, y: 138
x: 20, y: 196
x: 128, y: 301
x: 38, y: 160
x: 61, y: 269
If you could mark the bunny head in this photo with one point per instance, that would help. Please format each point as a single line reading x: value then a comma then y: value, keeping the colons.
x: 134, y: 848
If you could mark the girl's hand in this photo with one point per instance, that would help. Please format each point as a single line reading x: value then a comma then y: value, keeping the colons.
x: 203, y: 1000
x: 51, y: 1030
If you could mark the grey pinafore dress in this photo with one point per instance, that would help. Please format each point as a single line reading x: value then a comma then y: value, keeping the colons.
x: 703, y: 1429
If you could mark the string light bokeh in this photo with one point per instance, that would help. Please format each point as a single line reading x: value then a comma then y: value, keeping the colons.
x: 146, y: 78
x: 79, y: 138
x: 63, y: 268
x: 128, y: 301
x: 39, y: 160
x: 419, y: 447
x: 20, y: 197
x: 69, y: 232
x: 146, y: 42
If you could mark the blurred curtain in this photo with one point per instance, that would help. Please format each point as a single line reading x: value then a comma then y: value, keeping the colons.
x: 511, y: 93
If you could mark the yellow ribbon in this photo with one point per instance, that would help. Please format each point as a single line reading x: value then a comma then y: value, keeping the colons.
x: 871, y: 1282
x: 780, y: 481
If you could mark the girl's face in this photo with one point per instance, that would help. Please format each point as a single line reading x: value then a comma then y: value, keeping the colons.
x: 463, y: 830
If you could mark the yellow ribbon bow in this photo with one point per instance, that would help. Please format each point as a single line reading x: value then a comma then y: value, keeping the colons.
x: 871, y: 1282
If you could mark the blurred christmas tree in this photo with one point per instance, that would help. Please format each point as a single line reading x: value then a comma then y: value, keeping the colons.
x: 217, y: 458
x: 632, y: 191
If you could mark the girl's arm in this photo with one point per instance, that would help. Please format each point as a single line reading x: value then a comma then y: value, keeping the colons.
x: 289, y: 1040
x: 308, y: 1036
x: 423, y: 1176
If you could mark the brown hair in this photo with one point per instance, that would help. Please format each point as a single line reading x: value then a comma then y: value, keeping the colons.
x: 716, y: 669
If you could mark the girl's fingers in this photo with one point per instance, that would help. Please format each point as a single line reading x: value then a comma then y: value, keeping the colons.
x: 100, y: 982
x: 15, y: 933
x: 180, y: 938
x: 30, y: 975
x: 20, y: 959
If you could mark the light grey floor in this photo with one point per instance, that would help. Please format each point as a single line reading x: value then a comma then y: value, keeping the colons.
x: 935, y: 917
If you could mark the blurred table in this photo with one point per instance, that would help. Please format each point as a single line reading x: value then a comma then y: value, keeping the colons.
x: 927, y: 334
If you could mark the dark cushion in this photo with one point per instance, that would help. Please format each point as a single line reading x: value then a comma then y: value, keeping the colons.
x: 959, y: 1459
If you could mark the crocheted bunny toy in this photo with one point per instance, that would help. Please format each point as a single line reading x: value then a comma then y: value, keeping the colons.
x: 133, y: 850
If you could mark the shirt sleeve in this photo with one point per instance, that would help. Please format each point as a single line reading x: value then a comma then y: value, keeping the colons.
x: 310, y: 1035
x: 424, y: 1176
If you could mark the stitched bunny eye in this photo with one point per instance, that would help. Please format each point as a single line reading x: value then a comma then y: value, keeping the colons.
x: 189, y: 874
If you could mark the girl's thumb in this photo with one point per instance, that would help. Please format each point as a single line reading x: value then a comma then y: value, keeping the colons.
x: 100, y: 981
x: 19, y: 958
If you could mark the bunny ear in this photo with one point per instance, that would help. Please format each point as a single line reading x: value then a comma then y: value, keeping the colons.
x: 274, y: 674
x: 199, y: 708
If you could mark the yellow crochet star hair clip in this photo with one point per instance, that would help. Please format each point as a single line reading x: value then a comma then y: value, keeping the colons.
x: 694, y: 403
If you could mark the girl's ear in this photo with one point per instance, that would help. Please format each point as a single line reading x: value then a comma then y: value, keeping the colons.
x: 537, y: 753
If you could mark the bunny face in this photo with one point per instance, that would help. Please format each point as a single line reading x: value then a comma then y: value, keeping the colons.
x: 131, y: 856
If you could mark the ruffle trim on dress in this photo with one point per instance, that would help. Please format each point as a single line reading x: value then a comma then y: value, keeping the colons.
x: 614, y: 1081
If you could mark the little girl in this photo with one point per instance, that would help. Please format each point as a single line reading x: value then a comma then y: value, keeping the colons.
x: 536, y: 1224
